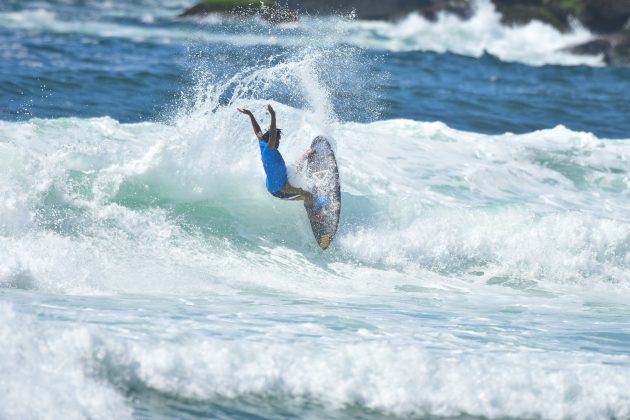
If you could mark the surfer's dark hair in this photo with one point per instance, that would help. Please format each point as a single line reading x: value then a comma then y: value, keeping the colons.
x: 265, y: 136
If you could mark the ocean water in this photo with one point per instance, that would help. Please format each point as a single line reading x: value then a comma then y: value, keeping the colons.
x: 482, y: 263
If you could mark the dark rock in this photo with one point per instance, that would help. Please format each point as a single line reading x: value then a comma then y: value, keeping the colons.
x: 521, y: 14
x: 605, y: 16
x: 283, y: 10
x: 267, y: 9
x: 205, y: 8
x: 197, y: 10
x: 599, y: 46
x: 620, y: 54
x: 381, y: 9
x: 461, y: 8
x: 557, y: 13
x: 615, y: 48
x: 602, y: 16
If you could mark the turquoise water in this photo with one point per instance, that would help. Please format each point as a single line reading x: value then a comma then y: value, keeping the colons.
x: 482, y: 264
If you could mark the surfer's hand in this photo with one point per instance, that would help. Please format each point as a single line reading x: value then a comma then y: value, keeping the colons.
x: 244, y: 111
x: 270, y: 109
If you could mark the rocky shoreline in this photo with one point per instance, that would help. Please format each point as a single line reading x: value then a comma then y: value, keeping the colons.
x: 608, y: 19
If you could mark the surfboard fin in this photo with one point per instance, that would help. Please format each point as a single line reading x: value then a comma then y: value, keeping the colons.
x: 324, y: 242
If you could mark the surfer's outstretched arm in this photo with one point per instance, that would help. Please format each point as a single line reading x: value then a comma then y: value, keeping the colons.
x: 255, y: 125
x: 273, y: 133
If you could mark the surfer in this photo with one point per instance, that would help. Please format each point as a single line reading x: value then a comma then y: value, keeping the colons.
x: 275, y: 168
x: 323, y: 205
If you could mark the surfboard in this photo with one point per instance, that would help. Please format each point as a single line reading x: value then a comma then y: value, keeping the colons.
x: 323, y: 174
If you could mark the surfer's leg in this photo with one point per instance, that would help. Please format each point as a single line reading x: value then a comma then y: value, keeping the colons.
x: 289, y: 192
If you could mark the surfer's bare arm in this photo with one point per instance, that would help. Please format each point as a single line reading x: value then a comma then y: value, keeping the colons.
x: 273, y: 133
x: 255, y: 125
x: 300, y: 162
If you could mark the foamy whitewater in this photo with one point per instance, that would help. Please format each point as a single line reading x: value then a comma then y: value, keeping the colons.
x: 146, y: 273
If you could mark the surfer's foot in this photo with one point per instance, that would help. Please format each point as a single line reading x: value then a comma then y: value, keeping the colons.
x: 309, y: 205
x: 320, y: 201
x: 316, y: 219
x: 308, y: 199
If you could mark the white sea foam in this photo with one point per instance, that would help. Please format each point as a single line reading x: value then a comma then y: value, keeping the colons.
x: 535, y: 43
x: 398, y: 379
x: 80, y: 371
x: 547, y: 206
x: 44, y: 373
